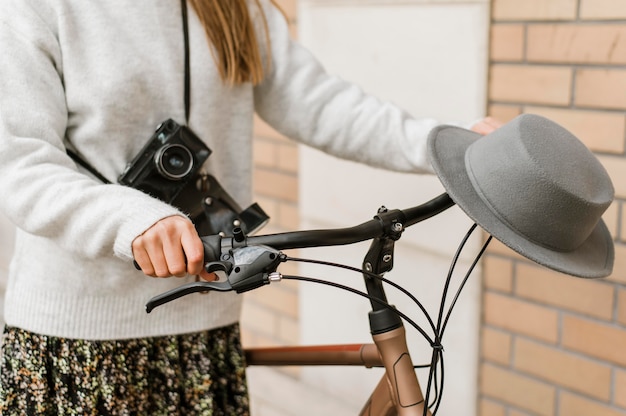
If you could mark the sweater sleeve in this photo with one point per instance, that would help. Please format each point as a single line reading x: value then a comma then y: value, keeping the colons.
x: 302, y: 101
x: 42, y: 191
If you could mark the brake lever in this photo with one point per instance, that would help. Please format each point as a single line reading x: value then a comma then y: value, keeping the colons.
x: 249, y: 269
x: 187, y: 289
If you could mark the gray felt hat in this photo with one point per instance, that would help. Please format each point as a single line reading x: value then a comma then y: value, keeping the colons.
x: 533, y: 186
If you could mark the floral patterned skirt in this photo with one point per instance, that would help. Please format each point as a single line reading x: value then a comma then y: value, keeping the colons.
x: 191, y: 374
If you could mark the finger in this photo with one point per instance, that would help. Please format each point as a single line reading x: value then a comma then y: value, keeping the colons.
x: 483, y: 128
x: 174, y: 256
x: 193, y: 250
x: 493, y: 122
x: 208, y: 277
x: 159, y: 263
x: 154, y: 249
x: 142, y: 259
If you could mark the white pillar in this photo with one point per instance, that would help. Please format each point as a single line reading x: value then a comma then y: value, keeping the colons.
x: 429, y: 57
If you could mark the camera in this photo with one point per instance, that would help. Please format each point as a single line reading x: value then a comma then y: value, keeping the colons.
x: 168, y: 168
x: 170, y: 159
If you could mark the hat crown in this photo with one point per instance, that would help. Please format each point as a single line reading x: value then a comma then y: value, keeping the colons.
x: 541, y: 181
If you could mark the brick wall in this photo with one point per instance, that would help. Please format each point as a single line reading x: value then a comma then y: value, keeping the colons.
x: 552, y: 344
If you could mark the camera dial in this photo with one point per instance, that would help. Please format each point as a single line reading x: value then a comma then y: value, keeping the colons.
x: 173, y: 161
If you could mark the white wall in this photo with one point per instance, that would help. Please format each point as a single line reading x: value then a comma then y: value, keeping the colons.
x: 428, y: 57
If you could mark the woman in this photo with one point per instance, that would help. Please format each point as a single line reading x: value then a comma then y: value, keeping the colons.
x: 97, y: 78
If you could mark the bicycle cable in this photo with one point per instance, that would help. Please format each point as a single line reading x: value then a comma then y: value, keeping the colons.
x: 363, y: 294
x: 371, y: 298
x: 435, y: 377
x: 442, y: 326
x: 375, y: 276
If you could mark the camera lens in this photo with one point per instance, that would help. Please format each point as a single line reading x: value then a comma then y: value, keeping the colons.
x: 173, y: 161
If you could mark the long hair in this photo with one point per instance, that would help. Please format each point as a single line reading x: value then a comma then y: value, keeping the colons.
x: 230, y: 29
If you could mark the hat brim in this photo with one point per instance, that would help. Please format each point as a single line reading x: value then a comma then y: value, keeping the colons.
x: 446, y: 147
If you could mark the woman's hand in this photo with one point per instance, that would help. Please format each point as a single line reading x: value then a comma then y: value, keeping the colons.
x: 486, y: 125
x: 171, y: 247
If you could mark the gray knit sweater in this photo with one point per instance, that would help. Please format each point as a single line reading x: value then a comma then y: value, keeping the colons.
x: 100, y: 76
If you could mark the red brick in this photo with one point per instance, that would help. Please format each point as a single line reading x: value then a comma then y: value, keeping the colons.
x: 621, y: 306
x: 601, y: 88
x: 534, y: 9
x: 587, y: 296
x: 522, y: 317
x: 530, y: 84
x: 490, y: 408
x: 288, y: 160
x: 498, y: 274
x: 265, y: 153
x: 595, y: 339
x: 577, y: 44
x: 496, y: 346
x: 507, y: 42
x: 523, y: 392
x: 504, y: 113
x: 562, y: 368
x: 274, y: 184
x: 620, y: 388
x: 603, y: 9
x: 574, y: 405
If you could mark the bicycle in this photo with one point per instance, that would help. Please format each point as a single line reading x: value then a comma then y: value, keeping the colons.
x: 571, y: 238
x: 250, y: 262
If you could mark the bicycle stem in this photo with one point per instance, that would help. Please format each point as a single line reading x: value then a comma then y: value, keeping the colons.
x: 377, y: 261
x: 386, y: 326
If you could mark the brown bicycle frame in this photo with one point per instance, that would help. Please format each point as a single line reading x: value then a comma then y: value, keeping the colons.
x: 397, y: 393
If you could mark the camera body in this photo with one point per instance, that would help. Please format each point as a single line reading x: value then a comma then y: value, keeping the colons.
x: 170, y: 159
x: 168, y: 168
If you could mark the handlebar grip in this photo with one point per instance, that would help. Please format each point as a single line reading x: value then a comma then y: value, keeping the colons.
x: 212, y: 248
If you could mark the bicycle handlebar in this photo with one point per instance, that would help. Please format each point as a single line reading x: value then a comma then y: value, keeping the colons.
x: 377, y: 227
x: 248, y: 261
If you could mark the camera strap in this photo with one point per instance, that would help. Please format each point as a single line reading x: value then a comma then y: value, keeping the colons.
x: 187, y: 87
x: 183, y: 5
x: 87, y: 166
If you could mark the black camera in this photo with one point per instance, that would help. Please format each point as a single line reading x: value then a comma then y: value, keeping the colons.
x: 168, y: 168
x: 170, y: 159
